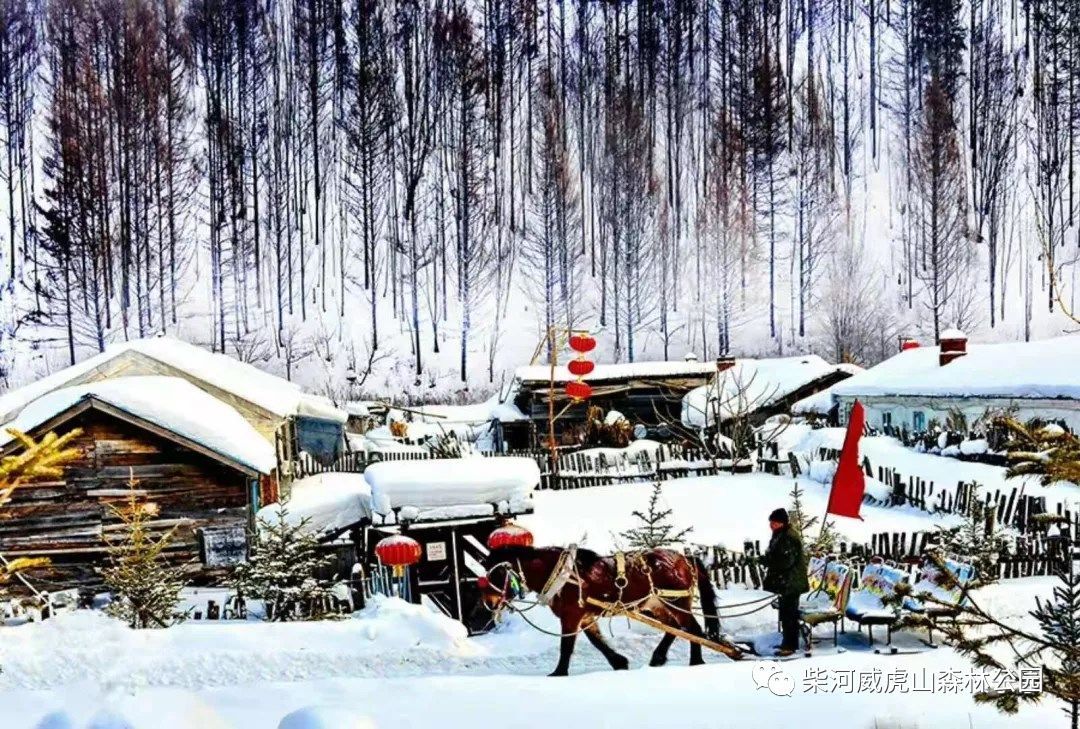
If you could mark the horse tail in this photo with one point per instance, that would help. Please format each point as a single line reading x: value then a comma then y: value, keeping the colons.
x: 707, y: 593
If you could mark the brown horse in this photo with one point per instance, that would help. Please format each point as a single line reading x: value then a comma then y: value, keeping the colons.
x: 513, y: 571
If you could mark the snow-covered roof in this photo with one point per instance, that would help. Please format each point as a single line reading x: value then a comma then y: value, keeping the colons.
x: 821, y: 402
x: 625, y: 371
x: 274, y: 394
x: 170, y: 403
x: 1020, y: 370
x: 494, y: 408
x: 750, y: 385
x: 327, y: 502
x: 507, y: 482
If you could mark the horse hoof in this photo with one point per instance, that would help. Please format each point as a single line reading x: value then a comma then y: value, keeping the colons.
x: 698, y: 662
x: 556, y: 674
x: 621, y: 665
x: 657, y: 662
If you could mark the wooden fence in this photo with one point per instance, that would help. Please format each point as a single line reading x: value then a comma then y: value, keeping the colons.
x: 1023, y: 556
x: 573, y: 470
x: 1012, y: 508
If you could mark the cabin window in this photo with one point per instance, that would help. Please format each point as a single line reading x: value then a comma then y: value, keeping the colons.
x: 918, y: 421
x: 320, y: 438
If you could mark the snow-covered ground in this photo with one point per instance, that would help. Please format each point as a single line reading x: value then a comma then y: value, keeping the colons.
x: 399, y: 667
x: 595, y: 517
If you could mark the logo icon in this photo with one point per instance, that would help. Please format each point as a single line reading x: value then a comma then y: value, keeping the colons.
x: 771, y: 676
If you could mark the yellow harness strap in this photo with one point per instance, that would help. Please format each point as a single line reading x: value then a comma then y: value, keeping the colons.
x: 620, y: 568
x: 673, y: 593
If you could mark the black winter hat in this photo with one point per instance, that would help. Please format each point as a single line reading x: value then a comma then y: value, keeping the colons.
x: 779, y: 515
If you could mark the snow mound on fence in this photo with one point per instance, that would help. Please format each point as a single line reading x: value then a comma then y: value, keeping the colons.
x: 505, y: 483
x: 325, y: 717
x: 168, y: 402
x: 328, y: 502
x: 87, y: 645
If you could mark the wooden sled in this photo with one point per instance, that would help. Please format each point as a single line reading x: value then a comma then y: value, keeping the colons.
x: 728, y: 649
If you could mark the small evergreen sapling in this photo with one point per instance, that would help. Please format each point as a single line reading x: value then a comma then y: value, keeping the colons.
x: 803, y: 524
x: 281, y: 569
x: 654, y: 527
x: 977, y: 540
x: 145, y: 587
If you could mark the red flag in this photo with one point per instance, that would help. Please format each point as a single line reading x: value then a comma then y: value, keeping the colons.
x: 848, y: 484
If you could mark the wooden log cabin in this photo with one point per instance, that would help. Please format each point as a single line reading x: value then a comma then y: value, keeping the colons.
x: 647, y: 393
x: 287, y: 417
x: 266, y: 401
x: 668, y: 398
x: 188, y: 453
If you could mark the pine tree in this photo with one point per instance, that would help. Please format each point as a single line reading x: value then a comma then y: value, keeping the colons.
x: 654, y: 527
x: 1052, y: 649
x: 282, y: 562
x: 977, y: 540
x: 145, y: 587
x: 1059, y: 621
x: 804, y: 523
x: 1041, y: 449
x: 38, y: 459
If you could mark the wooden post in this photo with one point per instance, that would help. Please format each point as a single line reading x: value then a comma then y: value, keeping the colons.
x: 551, y: 405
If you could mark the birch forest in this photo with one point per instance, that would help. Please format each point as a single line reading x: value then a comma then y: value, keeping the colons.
x: 413, y: 191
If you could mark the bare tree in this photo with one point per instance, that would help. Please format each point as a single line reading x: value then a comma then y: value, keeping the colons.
x: 941, y: 211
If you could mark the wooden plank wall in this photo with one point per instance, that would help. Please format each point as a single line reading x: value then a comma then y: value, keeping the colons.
x: 68, y: 520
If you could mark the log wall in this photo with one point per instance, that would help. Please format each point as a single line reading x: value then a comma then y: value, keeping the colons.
x: 69, y: 521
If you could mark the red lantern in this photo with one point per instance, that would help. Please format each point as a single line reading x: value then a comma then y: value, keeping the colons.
x: 510, y: 535
x: 582, y: 342
x: 578, y: 391
x: 398, y: 551
x: 580, y: 367
x: 483, y: 582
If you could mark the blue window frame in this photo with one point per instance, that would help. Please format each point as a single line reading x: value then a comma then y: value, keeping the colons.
x: 321, y: 438
x: 918, y: 421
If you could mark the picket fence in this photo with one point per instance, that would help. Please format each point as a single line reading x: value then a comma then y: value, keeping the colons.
x: 573, y: 470
x: 1013, y: 508
x: 1023, y: 556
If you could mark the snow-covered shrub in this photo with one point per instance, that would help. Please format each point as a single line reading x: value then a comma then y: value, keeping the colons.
x: 281, y: 569
x: 977, y: 540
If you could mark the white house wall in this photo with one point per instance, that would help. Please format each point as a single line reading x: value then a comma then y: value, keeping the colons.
x: 903, y: 409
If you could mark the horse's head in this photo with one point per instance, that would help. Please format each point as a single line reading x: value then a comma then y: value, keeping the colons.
x: 504, y: 581
x: 501, y: 585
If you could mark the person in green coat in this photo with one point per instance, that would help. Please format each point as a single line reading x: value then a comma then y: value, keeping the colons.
x: 786, y: 576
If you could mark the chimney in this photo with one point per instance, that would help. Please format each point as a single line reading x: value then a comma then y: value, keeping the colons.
x: 952, y: 345
x: 690, y: 357
x: 907, y: 343
x: 724, y: 362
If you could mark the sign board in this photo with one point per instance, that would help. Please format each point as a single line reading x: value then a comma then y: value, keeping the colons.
x: 223, y: 546
x: 436, y: 551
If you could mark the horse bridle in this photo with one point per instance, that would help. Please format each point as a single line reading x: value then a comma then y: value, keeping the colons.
x: 514, y: 584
